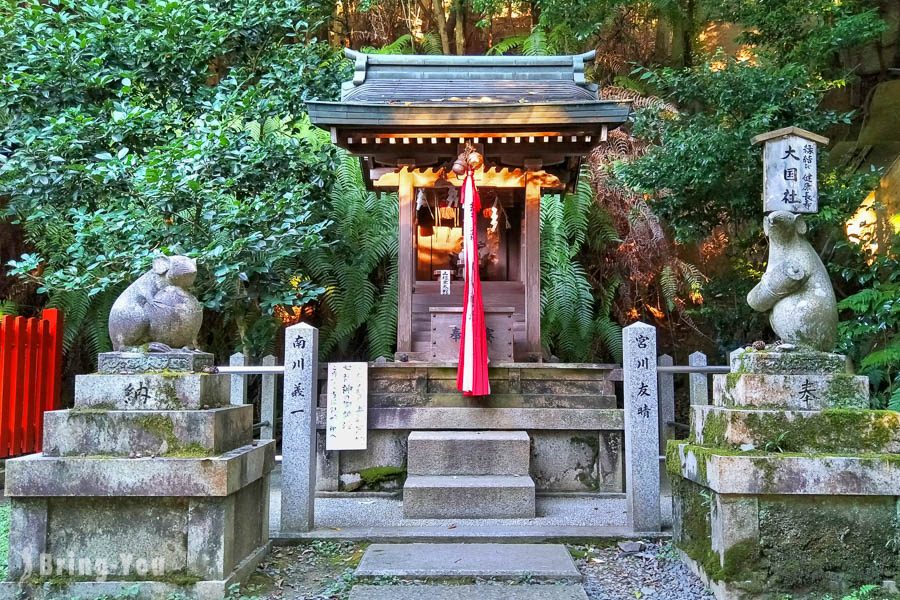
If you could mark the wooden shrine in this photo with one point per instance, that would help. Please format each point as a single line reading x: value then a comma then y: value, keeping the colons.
x: 408, y: 117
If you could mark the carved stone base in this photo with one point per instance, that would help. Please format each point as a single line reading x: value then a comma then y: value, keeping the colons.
x: 143, y: 362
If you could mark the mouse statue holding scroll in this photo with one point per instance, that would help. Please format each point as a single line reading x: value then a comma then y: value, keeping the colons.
x: 795, y: 287
x: 157, y: 313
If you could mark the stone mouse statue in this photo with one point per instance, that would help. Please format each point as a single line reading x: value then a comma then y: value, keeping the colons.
x: 157, y: 312
x: 795, y: 286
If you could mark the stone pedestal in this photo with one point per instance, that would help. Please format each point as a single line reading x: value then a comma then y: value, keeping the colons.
x: 152, y: 481
x: 788, y: 483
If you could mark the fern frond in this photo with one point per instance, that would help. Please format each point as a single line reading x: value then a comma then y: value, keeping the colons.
x: 8, y: 307
x: 669, y: 286
x: 75, y: 306
x: 402, y: 45
x: 862, y: 300
x: 888, y: 357
x: 507, y: 45
x: 536, y: 43
x: 894, y: 400
x: 611, y: 333
x: 431, y: 44
x: 353, y: 271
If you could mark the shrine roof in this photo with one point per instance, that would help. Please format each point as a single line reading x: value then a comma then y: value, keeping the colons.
x: 411, y: 90
x: 519, y: 111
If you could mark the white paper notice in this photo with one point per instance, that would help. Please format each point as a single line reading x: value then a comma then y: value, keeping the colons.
x: 445, y: 283
x: 347, y: 413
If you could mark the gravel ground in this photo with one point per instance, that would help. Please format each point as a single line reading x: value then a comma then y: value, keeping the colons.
x: 323, y: 570
x: 651, y: 574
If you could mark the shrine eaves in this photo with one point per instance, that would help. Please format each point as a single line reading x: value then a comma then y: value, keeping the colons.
x: 521, y: 111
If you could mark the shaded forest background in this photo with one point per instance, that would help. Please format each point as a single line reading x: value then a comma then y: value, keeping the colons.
x: 131, y: 129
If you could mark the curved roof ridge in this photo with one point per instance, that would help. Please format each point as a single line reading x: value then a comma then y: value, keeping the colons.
x: 467, y: 59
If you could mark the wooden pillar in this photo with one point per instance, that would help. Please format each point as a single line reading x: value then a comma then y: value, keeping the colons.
x: 532, y: 274
x: 405, y: 261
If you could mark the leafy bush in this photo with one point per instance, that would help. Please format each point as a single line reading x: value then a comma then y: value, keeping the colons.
x: 576, y: 321
x: 132, y: 129
x: 870, y: 331
x: 358, y: 268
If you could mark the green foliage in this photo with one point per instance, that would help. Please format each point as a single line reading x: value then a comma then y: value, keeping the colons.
x: 808, y: 32
x: 358, y: 268
x: 542, y: 41
x: 406, y: 44
x: 704, y: 177
x: 870, y: 333
x: 134, y: 129
x: 575, y: 324
x: 703, y: 159
x: 8, y: 307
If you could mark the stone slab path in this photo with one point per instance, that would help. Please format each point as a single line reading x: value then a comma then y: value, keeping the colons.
x: 509, y: 562
x: 481, y: 591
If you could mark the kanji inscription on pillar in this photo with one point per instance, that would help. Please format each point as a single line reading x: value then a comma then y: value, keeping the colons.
x: 641, y: 426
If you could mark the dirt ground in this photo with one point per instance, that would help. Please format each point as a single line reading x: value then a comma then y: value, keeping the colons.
x: 320, y: 570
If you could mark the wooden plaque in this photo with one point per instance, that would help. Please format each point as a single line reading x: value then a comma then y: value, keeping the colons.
x: 446, y: 331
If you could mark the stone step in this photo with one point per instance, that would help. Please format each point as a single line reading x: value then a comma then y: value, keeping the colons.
x: 152, y: 391
x: 798, y: 362
x: 469, y: 453
x: 37, y: 475
x: 468, y: 497
x: 502, y: 562
x: 147, y: 432
x: 806, y: 431
x: 481, y: 591
x: 791, y: 392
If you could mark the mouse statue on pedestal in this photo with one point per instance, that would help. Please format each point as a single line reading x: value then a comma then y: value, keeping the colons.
x: 796, y: 287
x: 157, y: 313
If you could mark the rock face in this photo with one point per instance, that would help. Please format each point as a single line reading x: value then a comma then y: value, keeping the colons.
x: 795, y: 287
x: 157, y: 311
x: 788, y: 484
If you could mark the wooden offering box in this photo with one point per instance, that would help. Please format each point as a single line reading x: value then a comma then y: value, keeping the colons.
x: 446, y: 331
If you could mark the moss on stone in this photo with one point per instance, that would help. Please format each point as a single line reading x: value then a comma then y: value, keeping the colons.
x: 842, y: 539
x: 168, y: 396
x: 731, y: 380
x: 694, y: 536
x: 95, y: 409
x: 189, y: 451
x: 162, y: 427
x: 715, y: 426
x: 673, y: 459
x: 373, y: 477
x: 838, y: 430
x: 61, y: 582
x: 843, y: 392
x: 591, y: 441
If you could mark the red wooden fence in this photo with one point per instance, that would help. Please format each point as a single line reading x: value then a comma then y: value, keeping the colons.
x: 30, y: 370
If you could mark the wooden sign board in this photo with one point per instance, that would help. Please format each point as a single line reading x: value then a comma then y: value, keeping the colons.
x: 346, y: 418
x: 789, y: 170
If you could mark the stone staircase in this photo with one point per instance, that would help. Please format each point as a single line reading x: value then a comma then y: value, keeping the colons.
x: 468, y: 475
